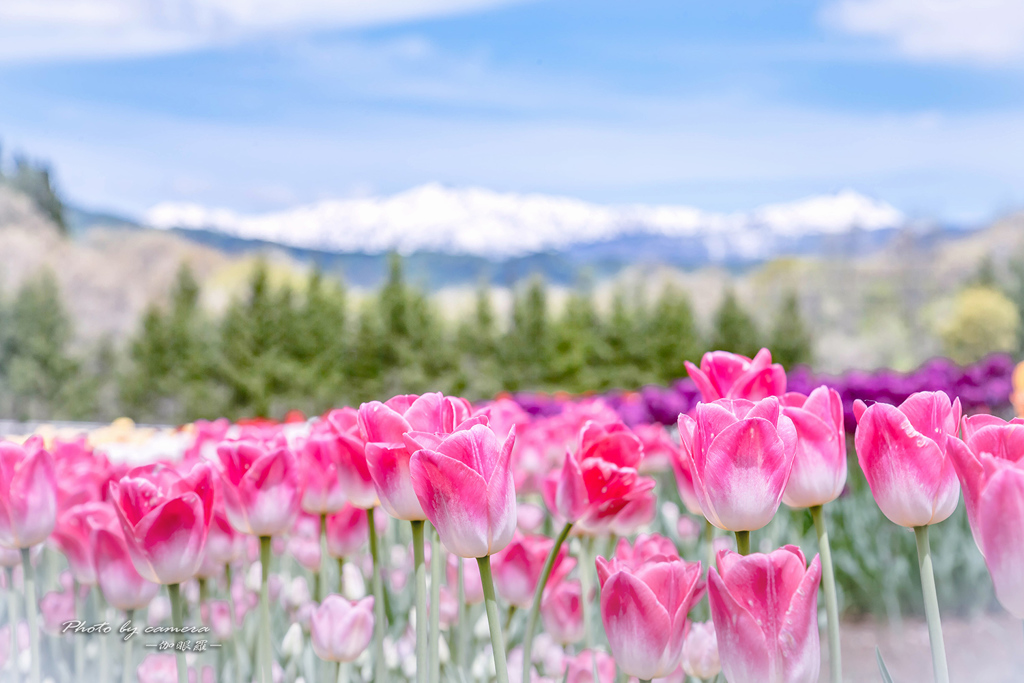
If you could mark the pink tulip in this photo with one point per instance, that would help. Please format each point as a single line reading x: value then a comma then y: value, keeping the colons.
x: 682, y: 466
x: 659, y: 448
x: 340, y: 629
x: 562, y: 611
x: 700, y: 651
x: 465, y: 487
x: 320, y: 468
x: 261, y: 485
x: 219, y: 615
x: 384, y: 427
x: 580, y: 669
x: 224, y: 545
x: 347, y: 531
x: 646, y: 547
x: 57, y: 608
x: 82, y: 475
x: 990, y: 466
x: 904, y: 453
x: 74, y: 536
x: 819, y: 466
x: 517, y: 568
x: 165, y: 519
x: 730, y: 375
x: 599, y: 480
x: 644, y: 610
x: 765, y: 611
x: 28, y: 494
x: 353, y: 470
x: 472, y: 585
x: 304, y: 541
x: 741, y: 454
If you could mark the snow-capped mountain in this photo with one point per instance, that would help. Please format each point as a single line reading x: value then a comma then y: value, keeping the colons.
x: 497, y: 226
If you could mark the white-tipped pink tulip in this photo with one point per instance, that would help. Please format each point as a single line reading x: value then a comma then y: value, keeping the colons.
x: 340, y: 630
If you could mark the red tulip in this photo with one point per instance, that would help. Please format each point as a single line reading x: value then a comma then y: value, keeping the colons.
x: 465, y: 487
x: 165, y: 519
x: 644, y: 610
x: 517, y: 568
x: 341, y: 630
x: 347, y: 531
x: 741, y: 454
x: 261, y: 486
x: 121, y: 584
x: 819, y: 466
x: 904, y: 453
x: 600, y: 480
x: 75, y: 536
x: 990, y: 466
x: 765, y: 611
x: 28, y: 494
x: 353, y: 472
x: 730, y: 375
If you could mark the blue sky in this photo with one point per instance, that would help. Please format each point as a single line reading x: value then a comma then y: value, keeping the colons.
x: 256, y: 105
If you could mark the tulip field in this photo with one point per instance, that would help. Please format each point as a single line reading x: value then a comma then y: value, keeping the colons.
x: 716, y: 530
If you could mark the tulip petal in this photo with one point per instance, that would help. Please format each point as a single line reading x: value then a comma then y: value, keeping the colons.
x: 172, y: 538
x: 708, y: 391
x: 745, y: 653
x: 32, y: 503
x: 454, y: 499
x: 1001, y: 523
x: 379, y: 423
x: 798, y: 636
x: 637, y: 625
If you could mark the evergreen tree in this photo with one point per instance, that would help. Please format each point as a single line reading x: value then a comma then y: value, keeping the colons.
x: 791, y: 342
x: 673, y: 337
x: 477, y: 342
x: 319, y: 345
x: 36, y: 181
x: 527, y: 346
x: 578, y: 344
x: 734, y: 330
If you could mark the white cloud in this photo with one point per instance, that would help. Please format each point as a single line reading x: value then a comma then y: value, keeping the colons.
x: 55, y: 29
x: 983, y: 31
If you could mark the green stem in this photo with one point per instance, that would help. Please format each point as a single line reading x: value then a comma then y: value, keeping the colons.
x: 204, y: 597
x: 341, y: 576
x: 266, y: 644
x: 79, y: 643
x: 127, y: 669
x: 101, y: 605
x: 235, y: 637
x: 743, y: 542
x: 709, y: 545
x: 378, y: 604
x: 828, y: 580
x: 497, y: 642
x: 931, y: 605
x: 12, y: 614
x: 436, y: 559
x: 462, y: 648
x: 420, y: 568
x: 30, y: 613
x: 321, y: 576
x: 538, y: 595
x: 174, y: 591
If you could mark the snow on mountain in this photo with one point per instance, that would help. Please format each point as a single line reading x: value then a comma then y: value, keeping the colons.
x: 480, y: 222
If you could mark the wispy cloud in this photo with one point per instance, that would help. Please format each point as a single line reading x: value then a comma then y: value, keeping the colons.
x: 60, y: 29
x: 981, y: 31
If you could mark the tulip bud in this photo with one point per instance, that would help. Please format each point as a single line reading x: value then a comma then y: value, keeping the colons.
x: 340, y: 629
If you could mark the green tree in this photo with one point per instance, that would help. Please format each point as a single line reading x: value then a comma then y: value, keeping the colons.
x: 733, y: 329
x: 35, y: 180
x: 526, y: 348
x: 578, y: 345
x: 791, y: 343
x: 672, y: 335
x: 983, y: 321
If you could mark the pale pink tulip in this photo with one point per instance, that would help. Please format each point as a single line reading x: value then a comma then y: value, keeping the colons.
x: 990, y: 466
x: 57, y: 608
x: 74, y: 536
x: 729, y: 375
x: 28, y: 494
x: 819, y: 466
x: 644, y: 610
x: 465, y: 488
x: 580, y: 669
x: 700, y: 651
x: 341, y: 630
x: 741, y: 454
x: 765, y: 611
x: 904, y: 453
x: 261, y: 486
x: 517, y: 568
x: 599, y: 480
x: 165, y: 519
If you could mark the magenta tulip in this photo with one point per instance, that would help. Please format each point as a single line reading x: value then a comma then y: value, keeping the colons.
x: 990, y: 466
x: 729, y: 375
x: 904, y: 453
x: 518, y: 567
x: 341, y: 630
x: 765, y: 611
x: 465, y: 488
x: 644, y: 610
x: 261, y: 485
x: 165, y: 519
x: 28, y: 494
x: 347, y: 531
x: 741, y: 454
x: 819, y: 466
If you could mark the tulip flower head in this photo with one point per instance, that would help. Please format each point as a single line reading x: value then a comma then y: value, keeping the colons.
x: 518, y: 567
x: 729, y: 375
x: 28, y: 494
x: 741, y: 456
x: 165, y: 519
x: 700, y: 651
x: 644, y: 610
x: 341, y: 630
x: 905, y: 455
x: 765, y: 612
x: 261, y: 485
x: 990, y: 466
x: 74, y: 535
x: 819, y: 465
